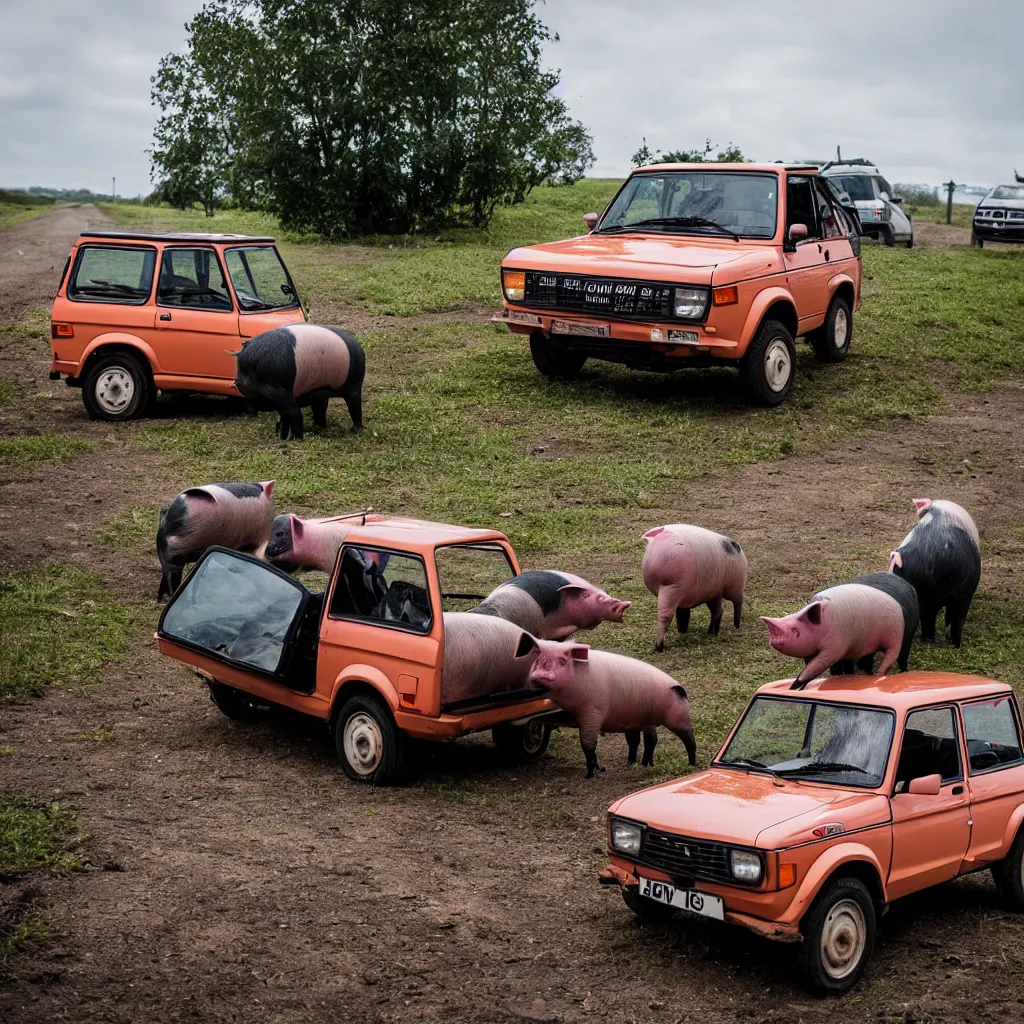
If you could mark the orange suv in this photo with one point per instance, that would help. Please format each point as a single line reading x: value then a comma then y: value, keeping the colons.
x: 695, y: 265
x: 826, y: 804
x: 138, y: 313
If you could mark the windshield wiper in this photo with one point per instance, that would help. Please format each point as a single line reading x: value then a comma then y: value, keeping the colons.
x: 682, y: 222
x: 823, y: 768
x: 746, y: 761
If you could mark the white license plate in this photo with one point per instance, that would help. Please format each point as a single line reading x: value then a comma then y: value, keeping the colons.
x: 574, y: 327
x: 685, y: 899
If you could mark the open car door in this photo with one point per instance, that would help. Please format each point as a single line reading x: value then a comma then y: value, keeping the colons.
x: 245, y: 613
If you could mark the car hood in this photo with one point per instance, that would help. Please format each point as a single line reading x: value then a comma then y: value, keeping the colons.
x: 1001, y: 204
x: 752, y: 809
x: 682, y: 258
x: 251, y: 324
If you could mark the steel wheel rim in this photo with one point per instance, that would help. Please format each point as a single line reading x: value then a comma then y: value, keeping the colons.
x: 840, y: 329
x: 364, y: 745
x: 844, y: 938
x: 778, y: 365
x: 115, y: 389
x: 533, y: 736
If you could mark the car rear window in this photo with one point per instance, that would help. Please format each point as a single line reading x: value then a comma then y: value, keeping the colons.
x: 857, y: 186
x: 121, y: 274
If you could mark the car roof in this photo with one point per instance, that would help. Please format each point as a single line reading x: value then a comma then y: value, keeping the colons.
x: 903, y: 691
x: 417, y: 535
x: 715, y: 166
x: 848, y: 170
x: 174, y: 236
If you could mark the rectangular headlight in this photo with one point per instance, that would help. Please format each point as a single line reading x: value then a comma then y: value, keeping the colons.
x: 514, y: 283
x: 745, y: 866
x: 690, y: 303
x: 625, y: 837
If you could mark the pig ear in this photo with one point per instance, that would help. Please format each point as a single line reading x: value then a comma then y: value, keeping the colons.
x: 922, y: 505
x: 268, y: 487
x: 769, y: 622
x: 200, y: 494
x: 298, y: 527
x: 813, y: 612
x: 527, y: 646
x: 895, y: 560
x: 569, y: 587
x: 651, y: 534
x: 580, y: 652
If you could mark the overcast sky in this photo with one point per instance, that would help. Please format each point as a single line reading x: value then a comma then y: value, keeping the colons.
x: 928, y: 89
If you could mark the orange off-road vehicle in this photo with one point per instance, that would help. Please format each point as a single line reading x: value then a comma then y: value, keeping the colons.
x: 139, y: 313
x: 366, y: 655
x: 696, y: 265
x: 826, y: 804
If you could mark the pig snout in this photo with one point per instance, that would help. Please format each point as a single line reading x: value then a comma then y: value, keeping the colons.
x: 616, y: 609
x: 280, y: 537
x: 550, y: 671
x: 788, y: 637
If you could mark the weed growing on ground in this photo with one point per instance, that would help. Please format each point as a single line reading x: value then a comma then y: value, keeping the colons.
x: 34, y: 834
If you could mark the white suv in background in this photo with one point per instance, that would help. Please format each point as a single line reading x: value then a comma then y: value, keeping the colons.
x: 879, y: 208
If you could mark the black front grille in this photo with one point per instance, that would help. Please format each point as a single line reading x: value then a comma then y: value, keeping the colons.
x: 615, y: 296
x: 683, y: 856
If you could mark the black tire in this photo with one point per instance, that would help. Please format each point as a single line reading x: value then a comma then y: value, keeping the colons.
x: 831, y: 341
x: 234, y: 703
x: 527, y: 742
x: 553, y: 359
x: 649, y: 911
x: 117, y: 387
x: 978, y: 243
x: 1008, y: 875
x: 888, y: 237
x: 839, y: 936
x: 910, y: 240
x: 369, y: 745
x: 764, y: 352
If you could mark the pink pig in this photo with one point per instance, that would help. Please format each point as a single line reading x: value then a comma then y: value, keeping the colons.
x: 607, y: 692
x: 552, y: 605
x: 479, y: 657
x: 306, y: 543
x: 842, y: 623
x: 232, y: 515
x: 686, y: 566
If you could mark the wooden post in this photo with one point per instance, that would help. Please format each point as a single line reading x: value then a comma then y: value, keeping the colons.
x: 949, y: 186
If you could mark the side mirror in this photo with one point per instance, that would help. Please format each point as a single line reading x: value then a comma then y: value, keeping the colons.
x: 797, y: 232
x: 896, y: 199
x: 590, y: 219
x: 926, y: 785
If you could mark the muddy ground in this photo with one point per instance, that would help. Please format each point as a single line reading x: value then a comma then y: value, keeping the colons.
x: 234, y: 875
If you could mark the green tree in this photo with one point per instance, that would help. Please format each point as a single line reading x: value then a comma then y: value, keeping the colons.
x: 368, y: 115
x: 730, y: 155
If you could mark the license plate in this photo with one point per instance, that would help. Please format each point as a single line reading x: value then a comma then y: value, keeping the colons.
x: 695, y: 902
x: 574, y: 327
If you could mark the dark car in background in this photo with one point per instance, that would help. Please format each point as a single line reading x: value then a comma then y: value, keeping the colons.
x: 999, y: 217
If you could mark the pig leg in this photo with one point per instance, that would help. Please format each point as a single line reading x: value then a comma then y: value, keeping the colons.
x: 956, y: 616
x: 633, y: 742
x: 843, y: 668
x: 319, y: 407
x: 737, y: 612
x: 866, y: 665
x: 682, y: 619
x: 354, y: 400
x: 686, y: 735
x: 650, y: 742
x: 889, y: 656
x: 814, y: 667
x: 715, y: 607
x: 590, y: 729
x: 666, y: 609
x: 928, y: 615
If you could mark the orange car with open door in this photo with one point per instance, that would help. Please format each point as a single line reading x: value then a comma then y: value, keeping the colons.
x: 695, y: 265
x: 826, y: 804
x: 138, y: 313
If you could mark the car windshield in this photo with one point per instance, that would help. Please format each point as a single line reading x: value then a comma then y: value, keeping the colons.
x: 259, y: 277
x: 696, y: 203
x: 467, y: 573
x: 837, y: 743
x: 1008, y: 192
x: 857, y: 186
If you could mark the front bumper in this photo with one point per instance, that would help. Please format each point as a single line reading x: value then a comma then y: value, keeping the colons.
x: 666, y: 345
x: 755, y: 910
x: 989, y: 232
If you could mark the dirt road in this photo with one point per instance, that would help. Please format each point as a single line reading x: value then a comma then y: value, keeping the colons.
x: 234, y: 875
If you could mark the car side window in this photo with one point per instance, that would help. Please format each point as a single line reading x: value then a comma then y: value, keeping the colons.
x: 993, y: 738
x: 929, y: 747
x: 832, y: 224
x: 881, y: 185
x: 800, y: 206
x: 192, y: 278
x: 382, y: 587
x: 113, y: 273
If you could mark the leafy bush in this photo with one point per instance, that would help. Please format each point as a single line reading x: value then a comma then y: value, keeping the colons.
x: 917, y: 195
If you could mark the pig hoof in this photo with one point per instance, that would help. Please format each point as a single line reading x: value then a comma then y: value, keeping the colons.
x: 659, y: 647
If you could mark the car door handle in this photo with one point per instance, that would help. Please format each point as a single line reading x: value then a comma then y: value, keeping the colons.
x: 957, y: 790
x: 165, y: 316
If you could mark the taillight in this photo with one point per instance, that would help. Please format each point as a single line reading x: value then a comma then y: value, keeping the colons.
x: 62, y: 330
